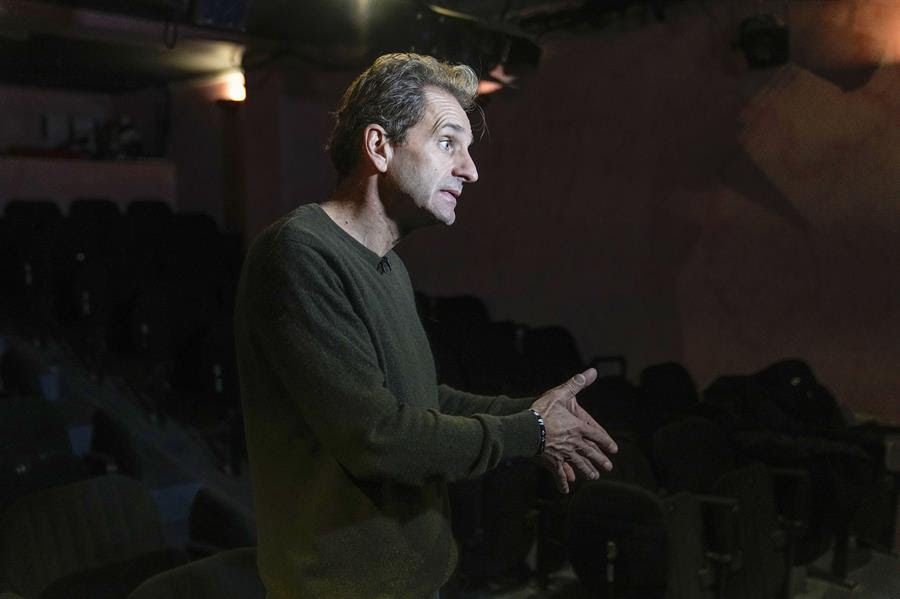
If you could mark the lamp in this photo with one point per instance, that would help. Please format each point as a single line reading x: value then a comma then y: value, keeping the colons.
x: 234, y: 88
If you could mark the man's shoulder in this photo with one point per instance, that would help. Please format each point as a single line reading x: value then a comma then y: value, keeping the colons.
x: 298, y: 232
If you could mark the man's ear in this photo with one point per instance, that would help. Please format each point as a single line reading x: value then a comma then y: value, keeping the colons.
x: 378, y: 147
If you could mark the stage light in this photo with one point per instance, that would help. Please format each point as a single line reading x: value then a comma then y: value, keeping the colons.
x: 235, y: 87
x: 487, y: 86
x: 497, y: 79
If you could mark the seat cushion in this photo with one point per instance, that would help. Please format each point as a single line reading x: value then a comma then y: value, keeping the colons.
x: 84, y: 525
x: 228, y: 575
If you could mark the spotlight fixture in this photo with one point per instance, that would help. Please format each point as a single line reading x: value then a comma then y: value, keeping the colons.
x: 497, y: 78
x: 518, y: 57
x: 764, y: 42
x: 231, y: 87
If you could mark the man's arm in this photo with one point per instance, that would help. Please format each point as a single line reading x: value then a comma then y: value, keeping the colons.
x: 573, y: 438
x: 320, y: 350
x: 460, y: 403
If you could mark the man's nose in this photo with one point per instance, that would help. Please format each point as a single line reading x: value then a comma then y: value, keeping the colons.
x: 466, y: 169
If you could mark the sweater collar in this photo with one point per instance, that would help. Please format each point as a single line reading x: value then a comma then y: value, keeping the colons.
x: 382, y: 264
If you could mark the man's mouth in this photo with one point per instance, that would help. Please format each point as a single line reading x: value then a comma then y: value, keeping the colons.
x: 453, y: 193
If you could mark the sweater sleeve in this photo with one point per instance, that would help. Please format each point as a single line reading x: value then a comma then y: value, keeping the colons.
x: 461, y: 403
x: 323, y: 355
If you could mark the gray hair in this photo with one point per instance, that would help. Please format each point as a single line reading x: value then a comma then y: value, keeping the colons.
x: 390, y: 93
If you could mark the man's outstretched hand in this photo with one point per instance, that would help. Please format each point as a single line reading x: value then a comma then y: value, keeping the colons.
x: 574, y: 440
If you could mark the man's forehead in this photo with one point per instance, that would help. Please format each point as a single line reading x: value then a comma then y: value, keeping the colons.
x: 444, y: 111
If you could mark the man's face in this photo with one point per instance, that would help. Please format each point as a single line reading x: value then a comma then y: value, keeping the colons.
x: 427, y: 171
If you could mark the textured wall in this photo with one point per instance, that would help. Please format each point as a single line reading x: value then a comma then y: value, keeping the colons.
x: 648, y: 192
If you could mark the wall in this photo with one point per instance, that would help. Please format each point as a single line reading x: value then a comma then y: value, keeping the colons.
x: 286, y: 127
x: 195, y: 145
x: 182, y: 124
x: 648, y: 192
x: 41, y: 118
x: 43, y: 122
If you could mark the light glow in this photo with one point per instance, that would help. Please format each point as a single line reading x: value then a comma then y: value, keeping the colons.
x: 486, y: 86
x: 500, y: 74
x: 235, y: 86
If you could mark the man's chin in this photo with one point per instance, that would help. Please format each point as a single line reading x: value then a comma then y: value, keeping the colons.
x: 443, y: 218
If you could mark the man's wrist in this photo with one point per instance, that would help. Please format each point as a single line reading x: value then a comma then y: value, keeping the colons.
x: 543, y: 431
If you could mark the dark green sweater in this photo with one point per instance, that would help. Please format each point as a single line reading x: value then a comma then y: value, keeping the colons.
x: 351, y: 439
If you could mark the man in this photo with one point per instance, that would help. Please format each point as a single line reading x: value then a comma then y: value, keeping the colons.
x: 350, y: 438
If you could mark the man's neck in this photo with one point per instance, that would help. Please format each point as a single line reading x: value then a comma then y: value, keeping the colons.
x: 357, y: 208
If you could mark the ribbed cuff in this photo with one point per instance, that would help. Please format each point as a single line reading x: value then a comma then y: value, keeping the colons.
x: 521, y: 435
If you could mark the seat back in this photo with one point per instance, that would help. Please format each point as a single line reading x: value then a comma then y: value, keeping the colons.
x: 228, y: 575
x: 32, y: 209
x: 792, y: 386
x: 668, y: 390
x: 694, y: 455
x: 32, y: 228
x: 612, y: 401
x: 35, y: 451
x: 691, y: 454
x: 630, y: 464
x: 454, y: 325
x: 63, y: 530
x: 762, y: 542
x: 690, y: 574
x: 149, y: 209
x: 493, y: 362
x: 553, y: 356
x: 217, y: 523
x: 111, y: 438
x: 617, y: 540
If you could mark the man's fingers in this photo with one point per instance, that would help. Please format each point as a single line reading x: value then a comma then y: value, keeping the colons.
x: 585, y: 466
x: 580, y: 381
x: 570, y: 473
x: 562, y: 477
x: 598, y: 435
x: 593, y: 453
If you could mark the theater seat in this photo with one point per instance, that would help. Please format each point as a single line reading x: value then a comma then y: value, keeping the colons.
x: 114, y: 580
x: 80, y: 531
x: 228, y: 575
x: 627, y: 540
x: 695, y: 455
x: 35, y: 450
x: 217, y: 523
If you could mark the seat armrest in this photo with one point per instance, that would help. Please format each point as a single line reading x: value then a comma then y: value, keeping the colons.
x: 717, y: 501
x: 791, y: 496
x: 723, y: 530
x: 98, y: 463
x: 892, y: 454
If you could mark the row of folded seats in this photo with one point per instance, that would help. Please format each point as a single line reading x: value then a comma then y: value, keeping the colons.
x: 719, y: 494
x: 101, y: 538
x: 47, y: 442
x: 82, y: 523
x: 146, y: 286
x: 151, y: 289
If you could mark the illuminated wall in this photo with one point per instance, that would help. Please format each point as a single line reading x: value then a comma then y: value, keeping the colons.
x: 653, y: 195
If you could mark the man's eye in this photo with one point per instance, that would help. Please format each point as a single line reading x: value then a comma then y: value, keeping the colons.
x: 445, y: 144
